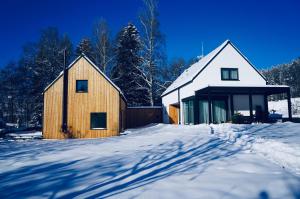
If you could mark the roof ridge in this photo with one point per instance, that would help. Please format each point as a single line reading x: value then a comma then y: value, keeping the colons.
x: 203, y: 61
x: 82, y: 55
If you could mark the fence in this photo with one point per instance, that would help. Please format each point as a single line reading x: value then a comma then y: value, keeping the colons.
x: 141, y: 116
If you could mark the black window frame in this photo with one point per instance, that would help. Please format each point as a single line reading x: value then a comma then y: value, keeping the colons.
x: 230, y: 75
x: 91, y: 123
x: 189, y: 120
x: 87, y: 86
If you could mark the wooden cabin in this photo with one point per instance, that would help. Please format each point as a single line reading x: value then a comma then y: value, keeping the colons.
x: 82, y: 102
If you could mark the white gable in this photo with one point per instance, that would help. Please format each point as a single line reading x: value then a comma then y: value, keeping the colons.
x: 190, y: 73
x: 207, y: 71
x: 229, y: 57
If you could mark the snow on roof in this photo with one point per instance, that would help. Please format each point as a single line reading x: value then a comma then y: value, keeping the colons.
x: 250, y: 86
x: 189, y: 74
x: 84, y: 56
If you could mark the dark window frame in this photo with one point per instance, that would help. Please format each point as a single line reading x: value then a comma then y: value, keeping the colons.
x: 98, y: 128
x: 189, y: 101
x: 87, y: 86
x: 230, y: 75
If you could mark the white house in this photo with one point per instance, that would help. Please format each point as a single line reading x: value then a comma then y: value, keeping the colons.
x: 220, y: 84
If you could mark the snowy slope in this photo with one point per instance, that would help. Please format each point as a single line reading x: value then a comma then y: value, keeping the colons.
x: 160, y: 161
x: 281, y: 107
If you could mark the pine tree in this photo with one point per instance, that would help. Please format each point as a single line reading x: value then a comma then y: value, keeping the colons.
x: 127, y: 73
x: 48, y: 63
x: 85, y: 46
x: 285, y: 74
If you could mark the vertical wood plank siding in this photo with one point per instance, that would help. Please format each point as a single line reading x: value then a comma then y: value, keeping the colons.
x: 52, y: 119
x: 101, y: 97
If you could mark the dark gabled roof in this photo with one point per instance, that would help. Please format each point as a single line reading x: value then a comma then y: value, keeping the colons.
x: 194, y: 70
x: 97, y: 69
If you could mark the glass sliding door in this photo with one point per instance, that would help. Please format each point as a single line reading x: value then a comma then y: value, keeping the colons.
x: 219, y: 111
x: 203, y: 111
x: 188, y: 112
x: 191, y: 112
x: 185, y: 112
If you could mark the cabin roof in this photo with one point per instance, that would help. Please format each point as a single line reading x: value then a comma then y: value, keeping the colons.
x: 97, y: 69
x: 195, y: 69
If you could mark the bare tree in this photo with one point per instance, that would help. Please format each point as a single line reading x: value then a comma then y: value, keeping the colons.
x: 103, y: 46
x: 153, y: 46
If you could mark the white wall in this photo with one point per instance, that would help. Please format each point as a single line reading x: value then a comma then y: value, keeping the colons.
x: 211, y: 76
x: 171, y: 98
x: 228, y: 58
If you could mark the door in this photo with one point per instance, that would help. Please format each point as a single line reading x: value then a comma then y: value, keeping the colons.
x: 219, y: 111
x: 173, y: 114
x: 203, y: 112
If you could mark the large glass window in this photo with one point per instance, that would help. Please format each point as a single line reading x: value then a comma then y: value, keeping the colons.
x: 229, y: 74
x: 219, y: 111
x: 203, y: 111
x: 81, y: 86
x: 188, y: 112
x: 98, y: 120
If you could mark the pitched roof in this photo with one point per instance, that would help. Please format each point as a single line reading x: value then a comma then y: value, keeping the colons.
x: 88, y: 60
x: 194, y: 70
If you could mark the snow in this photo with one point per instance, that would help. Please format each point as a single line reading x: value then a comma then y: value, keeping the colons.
x: 281, y: 107
x: 158, y: 161
x: 194, y: 69
x: 25, y: 135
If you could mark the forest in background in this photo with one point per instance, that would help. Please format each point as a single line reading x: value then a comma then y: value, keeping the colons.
x: 285, y: 74
x: 134, y: 58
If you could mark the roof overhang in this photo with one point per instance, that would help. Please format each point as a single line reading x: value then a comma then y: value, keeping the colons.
x: 266, y: 90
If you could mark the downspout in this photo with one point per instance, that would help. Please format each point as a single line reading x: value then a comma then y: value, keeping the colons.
x: 65, y: 97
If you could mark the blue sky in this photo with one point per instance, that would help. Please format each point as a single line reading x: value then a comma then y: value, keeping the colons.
x: 267, y: 32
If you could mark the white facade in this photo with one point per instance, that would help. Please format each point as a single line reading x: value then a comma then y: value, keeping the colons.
x: 207, y: 72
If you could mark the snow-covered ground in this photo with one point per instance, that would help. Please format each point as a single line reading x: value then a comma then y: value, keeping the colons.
x: 161, y: 161
x: 25, y: 135
x: 281, y: 107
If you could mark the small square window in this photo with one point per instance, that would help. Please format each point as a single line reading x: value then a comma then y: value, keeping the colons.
x: 98, y: 120
x: 81, y: 86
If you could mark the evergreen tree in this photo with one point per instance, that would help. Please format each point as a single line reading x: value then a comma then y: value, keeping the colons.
x: 85, y: 46
x: 127, y: 73
x: 48, y: 63
x: 285, y: 74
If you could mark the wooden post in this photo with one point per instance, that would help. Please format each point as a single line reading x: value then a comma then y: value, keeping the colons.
x: 209, y: 109
x: 289, y: 103
x: 251, y: 107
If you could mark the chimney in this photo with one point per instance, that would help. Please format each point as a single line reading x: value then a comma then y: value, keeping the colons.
x: 65, y: 97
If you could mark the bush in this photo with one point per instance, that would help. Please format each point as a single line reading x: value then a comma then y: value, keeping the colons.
x: 238, y: 118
